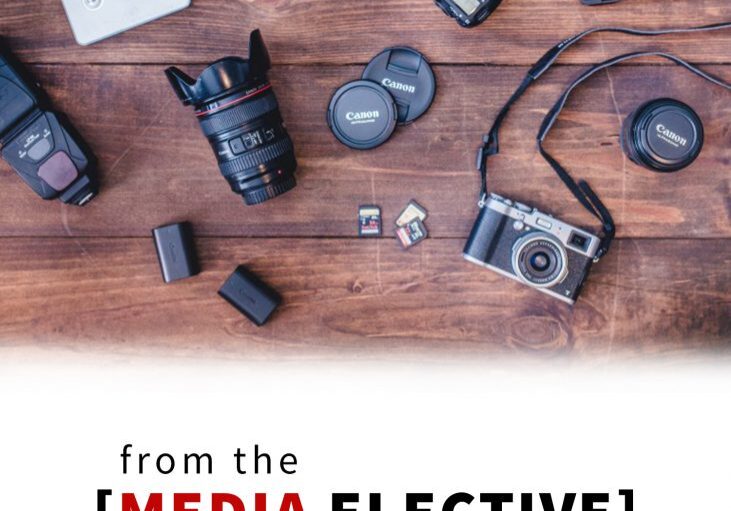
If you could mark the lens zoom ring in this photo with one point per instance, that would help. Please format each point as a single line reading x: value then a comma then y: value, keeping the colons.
x: 238, y: 115
x: 254, y: 159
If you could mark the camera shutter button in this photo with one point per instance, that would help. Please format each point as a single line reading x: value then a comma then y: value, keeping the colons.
x: 518, y: 225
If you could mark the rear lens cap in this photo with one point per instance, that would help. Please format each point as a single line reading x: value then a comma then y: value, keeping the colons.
x: 362, y: 114
x: 406, y: 74
x: 663, y: 135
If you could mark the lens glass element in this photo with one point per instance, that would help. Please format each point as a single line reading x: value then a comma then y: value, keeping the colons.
x: 540, y: 261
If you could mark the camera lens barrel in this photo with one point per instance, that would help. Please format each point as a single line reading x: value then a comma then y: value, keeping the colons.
x: 255, y: 153
x: 539, y: 260
x: 239, y: 114
x: 663, y: 135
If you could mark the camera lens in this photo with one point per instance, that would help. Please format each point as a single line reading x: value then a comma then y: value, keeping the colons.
x: 539, y: 260
x: 663, y: 135
x: 239, y: 114
x: 247, y: 133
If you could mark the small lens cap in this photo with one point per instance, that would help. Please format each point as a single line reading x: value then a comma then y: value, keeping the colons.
x: 362, y: 114
x: 407, y: 75
x: 666, y: 135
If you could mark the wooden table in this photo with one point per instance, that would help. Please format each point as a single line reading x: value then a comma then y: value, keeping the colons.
x: 88, y: 279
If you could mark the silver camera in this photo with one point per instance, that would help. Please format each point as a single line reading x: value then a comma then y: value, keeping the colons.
x: 534, y: 248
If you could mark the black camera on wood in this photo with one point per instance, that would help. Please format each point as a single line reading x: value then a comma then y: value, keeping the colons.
x: 239, y: 114
x: 534, y: 248
x: 468, y: 13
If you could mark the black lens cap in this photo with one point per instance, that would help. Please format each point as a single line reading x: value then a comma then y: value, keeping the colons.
x: 362, y: 114
x: 663, y: 135
x: 407, y: 75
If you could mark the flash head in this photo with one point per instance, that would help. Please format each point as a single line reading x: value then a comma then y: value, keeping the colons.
x: 40, y: 145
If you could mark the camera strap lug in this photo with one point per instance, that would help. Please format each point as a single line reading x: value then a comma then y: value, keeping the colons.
x: 483, y: 200
x: 488, y: 148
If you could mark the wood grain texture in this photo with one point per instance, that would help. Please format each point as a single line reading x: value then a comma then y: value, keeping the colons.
x: 88, y: 279
x: 156, y: 166
x: 319, y: 31
x: 364, y: 297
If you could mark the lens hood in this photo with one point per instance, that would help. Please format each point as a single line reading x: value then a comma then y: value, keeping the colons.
x: 225, y: 76
x: 663, y: 135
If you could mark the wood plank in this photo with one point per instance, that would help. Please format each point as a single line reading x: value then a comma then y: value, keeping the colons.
x: 157, y: 167
x: 316, y: 31
x: 359, y: 297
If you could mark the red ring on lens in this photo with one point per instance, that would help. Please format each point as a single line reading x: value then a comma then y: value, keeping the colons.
x: 233, y: 102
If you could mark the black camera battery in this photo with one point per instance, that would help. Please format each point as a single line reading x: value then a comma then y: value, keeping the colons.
x: 250, y: 296
x: 176, y: 251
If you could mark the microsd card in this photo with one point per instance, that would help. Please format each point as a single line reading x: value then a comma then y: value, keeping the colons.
x: 411, y: 233
x: 411, y: 213
x: 369, y: 221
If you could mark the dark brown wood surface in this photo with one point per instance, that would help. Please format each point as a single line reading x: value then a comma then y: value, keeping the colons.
x: 87, y: 278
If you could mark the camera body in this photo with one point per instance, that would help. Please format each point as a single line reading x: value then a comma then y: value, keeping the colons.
x: 38, y: 144
x: 468, y: 13
x: 534, y: 248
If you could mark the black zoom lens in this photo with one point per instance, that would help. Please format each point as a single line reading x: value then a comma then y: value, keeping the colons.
x: 255, y: 153
x: 239, y: 114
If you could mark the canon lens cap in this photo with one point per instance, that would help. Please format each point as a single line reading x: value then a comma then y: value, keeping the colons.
x: 663, y: 135
x: 362, y: 114
x: 407, y: 75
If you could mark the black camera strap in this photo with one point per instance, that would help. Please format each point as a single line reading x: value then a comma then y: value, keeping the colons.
x: 581, y: 190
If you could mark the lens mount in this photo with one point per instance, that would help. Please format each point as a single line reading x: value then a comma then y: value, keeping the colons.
x: 539, y: 260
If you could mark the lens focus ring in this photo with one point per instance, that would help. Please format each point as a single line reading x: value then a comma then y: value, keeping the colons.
x: 241, y: 114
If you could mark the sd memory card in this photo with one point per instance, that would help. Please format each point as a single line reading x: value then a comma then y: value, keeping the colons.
x: 412, y: 211
x: 411, y: 233
x: 369, y: 221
